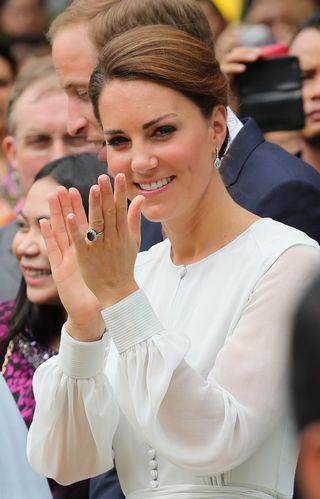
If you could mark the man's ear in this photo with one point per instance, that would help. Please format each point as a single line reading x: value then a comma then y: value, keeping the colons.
x: 218, y: 122
x: 308, y: 470
x: 9, y: 148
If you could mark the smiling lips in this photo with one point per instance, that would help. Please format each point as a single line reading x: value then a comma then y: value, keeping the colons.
x: 33, y: 273
x: 156, y: 185
x: 314, y: 115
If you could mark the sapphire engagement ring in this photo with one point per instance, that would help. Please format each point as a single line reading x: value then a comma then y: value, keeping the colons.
x: 92, y: 235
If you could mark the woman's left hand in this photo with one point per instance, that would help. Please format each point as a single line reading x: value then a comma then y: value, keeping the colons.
x: 107, y: 264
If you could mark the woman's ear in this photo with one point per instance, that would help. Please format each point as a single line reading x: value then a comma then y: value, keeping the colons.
x: 218, y: 123
x: 308, y: 470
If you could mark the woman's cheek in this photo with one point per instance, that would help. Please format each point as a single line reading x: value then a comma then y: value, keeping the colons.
x: 117, y: 163
x: 15, y: 245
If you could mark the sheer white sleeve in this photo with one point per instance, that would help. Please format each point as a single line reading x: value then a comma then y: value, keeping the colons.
x: 210, y: 425
x: 76, y: 415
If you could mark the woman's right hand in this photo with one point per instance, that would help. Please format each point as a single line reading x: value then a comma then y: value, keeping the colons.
x: 84, y: 318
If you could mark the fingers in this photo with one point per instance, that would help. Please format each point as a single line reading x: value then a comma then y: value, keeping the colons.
x: 235, y: 61
x: 107, y: 211
x: 121, y: 203
x: 134, y: 219
x: 243, y: 54
x: 78, y: 209
x: 76, y: 235
x: 54, y: 253
x: 58, y: 220
x: 65, y: 202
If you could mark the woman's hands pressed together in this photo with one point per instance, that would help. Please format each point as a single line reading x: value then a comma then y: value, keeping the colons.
x: 93, y: 275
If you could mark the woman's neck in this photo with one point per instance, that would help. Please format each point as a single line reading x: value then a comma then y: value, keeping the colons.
x: 215, y: 224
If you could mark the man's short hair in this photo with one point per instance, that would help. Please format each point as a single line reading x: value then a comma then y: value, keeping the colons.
x: 41, y: 69
x: 106, y: 18
x: 78, y: 12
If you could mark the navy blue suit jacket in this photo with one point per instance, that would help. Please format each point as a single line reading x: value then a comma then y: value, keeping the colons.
x: 151, y: 233
x: 265, y: 179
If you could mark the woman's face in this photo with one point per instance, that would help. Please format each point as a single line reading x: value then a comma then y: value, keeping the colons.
x: 163, y: 144
x: 29, y: 247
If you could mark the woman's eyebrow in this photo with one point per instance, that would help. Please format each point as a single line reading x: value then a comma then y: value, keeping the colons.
x: 150, y: 123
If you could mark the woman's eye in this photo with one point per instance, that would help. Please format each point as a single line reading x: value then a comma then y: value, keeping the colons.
x: 117, y: 141
x: 21, y: 225
x: 164, y: 130
x: 307, y: 75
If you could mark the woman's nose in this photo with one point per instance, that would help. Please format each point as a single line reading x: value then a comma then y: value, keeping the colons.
x: 143, y: 161
x: 27, y: 246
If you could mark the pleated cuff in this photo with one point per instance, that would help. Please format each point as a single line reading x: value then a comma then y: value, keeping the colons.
x: 131, y: 321
x: 82, y: 359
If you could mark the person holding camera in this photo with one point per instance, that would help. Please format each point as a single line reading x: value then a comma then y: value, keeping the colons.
x: 306, y: 46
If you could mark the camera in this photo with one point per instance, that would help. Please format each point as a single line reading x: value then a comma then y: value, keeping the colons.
x: 270, y: 90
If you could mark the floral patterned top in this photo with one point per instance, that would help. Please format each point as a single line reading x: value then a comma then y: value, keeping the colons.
x: 24, y: 355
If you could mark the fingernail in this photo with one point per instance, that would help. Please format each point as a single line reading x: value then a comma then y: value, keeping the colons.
x: 71, y: 218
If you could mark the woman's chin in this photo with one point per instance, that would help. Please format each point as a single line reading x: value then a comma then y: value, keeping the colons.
x: 152, y: 216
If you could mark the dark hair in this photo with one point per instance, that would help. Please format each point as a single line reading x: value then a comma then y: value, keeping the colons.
x: 81, y: 171
x: 165, y: 55
x: 305, y: 358
x: 45, y: 321
x: 312, y: 21
x: 186, y: 15
x: 6, y: 54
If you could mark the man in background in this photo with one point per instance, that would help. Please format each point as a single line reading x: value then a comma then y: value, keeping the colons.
x: 36, y: 119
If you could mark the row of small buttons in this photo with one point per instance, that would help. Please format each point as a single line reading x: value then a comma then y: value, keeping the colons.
x: 153, y: 465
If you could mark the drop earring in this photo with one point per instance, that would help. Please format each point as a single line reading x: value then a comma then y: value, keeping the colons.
x: 217, y: 161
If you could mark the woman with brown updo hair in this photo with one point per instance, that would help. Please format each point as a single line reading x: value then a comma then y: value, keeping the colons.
x: 173, y: 362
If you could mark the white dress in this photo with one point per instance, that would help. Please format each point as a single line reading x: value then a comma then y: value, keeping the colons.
x: 187, y: 390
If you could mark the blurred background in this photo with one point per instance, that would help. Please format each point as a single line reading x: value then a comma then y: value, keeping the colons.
x: 234, y: 24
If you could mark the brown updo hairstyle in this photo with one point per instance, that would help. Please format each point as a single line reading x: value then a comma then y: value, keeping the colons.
x: 165, y: 55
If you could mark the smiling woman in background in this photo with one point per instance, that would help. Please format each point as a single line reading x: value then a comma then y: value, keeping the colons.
x: 30, y: 327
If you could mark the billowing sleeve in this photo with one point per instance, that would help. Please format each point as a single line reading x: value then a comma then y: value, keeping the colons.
x: 209, y: 425
x: 76, y: 415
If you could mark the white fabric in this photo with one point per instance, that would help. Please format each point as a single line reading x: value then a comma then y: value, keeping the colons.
x: 17, y: 478
x: 194, y: 400
x: 234, y: 125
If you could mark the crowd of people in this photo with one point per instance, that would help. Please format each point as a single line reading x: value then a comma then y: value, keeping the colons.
x: 159, y: 253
